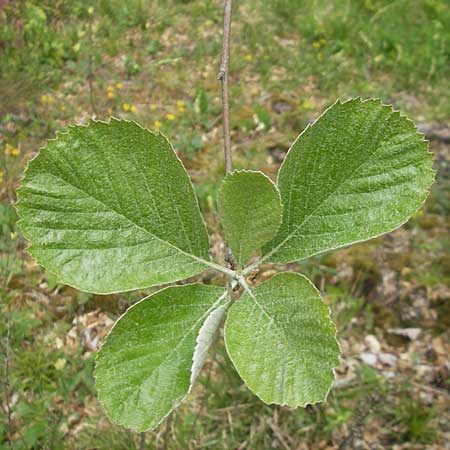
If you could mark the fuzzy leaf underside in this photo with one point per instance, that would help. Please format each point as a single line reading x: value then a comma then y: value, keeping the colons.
x: 361, y: 170
x: 144, y: 368
x: 250, y: 209
x: 282, y: 341
x: 207, y: 335
x: 109, y: 207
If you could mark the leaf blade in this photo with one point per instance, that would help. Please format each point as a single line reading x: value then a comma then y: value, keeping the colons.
x: 361, y: 170
x: 271, y: 336
x: 250, y: 208
x: 140, y: 376
x: 99, y: 212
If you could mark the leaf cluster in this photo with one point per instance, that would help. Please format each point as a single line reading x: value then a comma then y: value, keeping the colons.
x: 109, y: 207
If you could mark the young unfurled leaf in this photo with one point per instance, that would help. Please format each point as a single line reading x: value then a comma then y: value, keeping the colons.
x: 109, y: 207
x: 359, y: 171
x: 282, y: 341
x: 144, y: 368
x: 250, y: 208
x: 206, y: 336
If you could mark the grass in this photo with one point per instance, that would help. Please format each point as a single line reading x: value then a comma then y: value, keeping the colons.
x: 156, y: 62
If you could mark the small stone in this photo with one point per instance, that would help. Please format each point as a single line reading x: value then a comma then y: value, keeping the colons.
x: 369, y: 358
x: 410, y: 333
x: 388, y: 359
x: 389, y: 374
x: 373, y: 343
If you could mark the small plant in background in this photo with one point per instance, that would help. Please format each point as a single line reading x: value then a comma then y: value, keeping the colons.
x: 109, y: 207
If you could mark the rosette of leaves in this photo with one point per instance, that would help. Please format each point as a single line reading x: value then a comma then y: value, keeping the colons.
x: 109, y: 207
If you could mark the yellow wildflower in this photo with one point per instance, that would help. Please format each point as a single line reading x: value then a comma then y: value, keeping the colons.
x: 7, y: 150
x: 319, y: 43
x: 110, y: 111
x: 15, y: 151
x: 153, y: 107
x: 60, y: 364
x: 248, y: 58
x: 157, y: 125
x: 170, y: 116
x: 132, y: 108
x: 110, y: 88
x: 47, y: 99
x: 63, y: 108
x: 110, y: 94
x: 119, y: 85
x: 126, y: 107
x: 307, y: 104
x: 181, y: 106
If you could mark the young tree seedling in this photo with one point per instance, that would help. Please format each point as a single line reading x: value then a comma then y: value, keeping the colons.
x: 109, y: 207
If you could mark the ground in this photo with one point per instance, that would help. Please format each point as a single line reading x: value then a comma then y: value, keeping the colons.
x: 156, y: 62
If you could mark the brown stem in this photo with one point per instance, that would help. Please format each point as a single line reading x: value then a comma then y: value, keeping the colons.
x: 223, y: 77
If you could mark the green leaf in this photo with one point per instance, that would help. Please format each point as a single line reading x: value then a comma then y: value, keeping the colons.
x: 250, y: 208
x: 109, y: 207
x: 361, y: 170
x: 282, y: 341
x: 144, y: 368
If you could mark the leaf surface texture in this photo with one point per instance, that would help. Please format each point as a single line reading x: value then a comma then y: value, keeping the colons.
x: 250, y: 209
x: 282, y: 341
x: 144, y: 368
x: 109, y: 207
x: 361, y: 170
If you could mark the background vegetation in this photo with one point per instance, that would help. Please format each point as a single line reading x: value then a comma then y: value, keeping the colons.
x: 62, y: 62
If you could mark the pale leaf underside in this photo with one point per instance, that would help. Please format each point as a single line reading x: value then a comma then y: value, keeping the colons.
x: 206, y: 337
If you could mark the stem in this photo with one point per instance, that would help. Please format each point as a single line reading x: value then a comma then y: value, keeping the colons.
x: 223, y: 77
